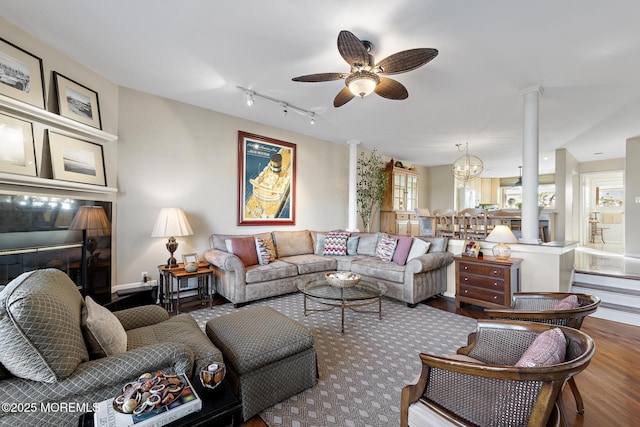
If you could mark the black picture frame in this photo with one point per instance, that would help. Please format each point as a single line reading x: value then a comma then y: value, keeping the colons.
x: 21, y: 75
x: 76, y: 101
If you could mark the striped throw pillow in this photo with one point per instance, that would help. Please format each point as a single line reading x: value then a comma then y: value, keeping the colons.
x: 386, y: 247
x: 335, y: 243
x: 263, y: 252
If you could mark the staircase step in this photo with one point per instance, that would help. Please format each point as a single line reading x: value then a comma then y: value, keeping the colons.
x: 620, y: 297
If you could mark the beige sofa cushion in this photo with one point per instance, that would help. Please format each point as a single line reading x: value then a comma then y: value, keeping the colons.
x: 40, y: 334
x: 273, y: 271
x: 289, y: 243
x: 102, y: 329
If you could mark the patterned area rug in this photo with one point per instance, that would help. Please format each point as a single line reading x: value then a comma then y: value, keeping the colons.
x: 362, y: 371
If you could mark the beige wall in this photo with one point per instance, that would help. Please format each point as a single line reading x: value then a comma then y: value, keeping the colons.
x: 567, y: 180
x: 441, y: 188
x: 174, y: 154
x: 631, y: 207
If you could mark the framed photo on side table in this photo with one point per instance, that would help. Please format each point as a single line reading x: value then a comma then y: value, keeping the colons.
x: 17, y: 151
x: 76, y: 160
x: 187, y: 258
x: 266, y: 181
x: 21, y: 75
x: 77, y: 102
x: 471, y: 249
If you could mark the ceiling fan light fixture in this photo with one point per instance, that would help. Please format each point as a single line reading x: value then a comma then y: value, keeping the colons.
x: 362, y: 83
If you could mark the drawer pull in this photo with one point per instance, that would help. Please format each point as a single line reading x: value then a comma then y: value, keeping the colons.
x: 495, y: 271
x: 495, y: 297
x: 466, y: 267
x: 466, y: 279
x: 495, y: 284
x: 466, y: 291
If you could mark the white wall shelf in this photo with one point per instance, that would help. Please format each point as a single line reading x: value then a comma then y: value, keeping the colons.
x: 33, y: 181
x: 35, y: 114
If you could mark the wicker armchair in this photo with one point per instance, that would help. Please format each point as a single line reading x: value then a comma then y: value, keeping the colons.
x: 463, y: 393
x: 538, y: 307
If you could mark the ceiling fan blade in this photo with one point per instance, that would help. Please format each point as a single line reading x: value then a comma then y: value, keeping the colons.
x: 406, y: 60
x: 391, y: 89
x: 352, y: 49
x: 320, y: 77
x: 343, y: 97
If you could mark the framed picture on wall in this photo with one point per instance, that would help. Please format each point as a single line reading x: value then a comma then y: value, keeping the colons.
x: 266, y: 181
x: 21, y: 75
x: 17, y: 151
x: 77, y: 102
x: 76, y: 160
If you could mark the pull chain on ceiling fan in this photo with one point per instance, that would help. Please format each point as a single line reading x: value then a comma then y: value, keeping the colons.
x: 365, y: 75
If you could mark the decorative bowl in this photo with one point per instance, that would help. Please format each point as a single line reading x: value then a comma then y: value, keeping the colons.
x: 191, y: 267
x: 342, y: 279
x: 212, y: 375
x: 148, y: 392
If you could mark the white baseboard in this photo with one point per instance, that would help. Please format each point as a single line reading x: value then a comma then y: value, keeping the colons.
x: 125, y: 286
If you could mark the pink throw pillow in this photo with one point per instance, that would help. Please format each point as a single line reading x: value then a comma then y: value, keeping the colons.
x: 402, y: 249
x: 568, y: 303
x: 549, y: 348
x: 245, y: 249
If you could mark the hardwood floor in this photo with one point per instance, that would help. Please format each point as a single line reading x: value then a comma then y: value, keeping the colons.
x: 610, y: 386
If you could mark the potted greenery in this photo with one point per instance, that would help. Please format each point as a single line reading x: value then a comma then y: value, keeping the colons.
x: 370, y: 186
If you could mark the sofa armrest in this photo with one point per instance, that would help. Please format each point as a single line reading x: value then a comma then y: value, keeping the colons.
x: 429, y: 261
x: 137, y: 317
x: 100, y: 373
x: 224, y: 260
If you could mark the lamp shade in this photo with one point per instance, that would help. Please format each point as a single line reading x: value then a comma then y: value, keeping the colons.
x: 501, y: 234
x: 93, y: 219
x: 171, y: 222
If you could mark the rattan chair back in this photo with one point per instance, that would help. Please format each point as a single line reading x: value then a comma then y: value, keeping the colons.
x: 498, y: 392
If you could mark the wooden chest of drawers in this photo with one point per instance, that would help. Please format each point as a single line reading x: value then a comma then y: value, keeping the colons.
x: 487, y: 281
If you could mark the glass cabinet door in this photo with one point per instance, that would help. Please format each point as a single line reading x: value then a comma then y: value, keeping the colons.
x: 412, y: 193
x: 399, y: 190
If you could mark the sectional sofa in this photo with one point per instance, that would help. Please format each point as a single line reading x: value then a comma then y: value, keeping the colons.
x: 304, y: 256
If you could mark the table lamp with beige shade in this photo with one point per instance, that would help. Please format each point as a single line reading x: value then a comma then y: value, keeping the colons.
x: 171, y: 222
x: 93, y: 222
x: 501, y: 234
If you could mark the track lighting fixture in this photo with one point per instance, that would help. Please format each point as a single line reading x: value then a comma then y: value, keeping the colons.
x: 251, y: 95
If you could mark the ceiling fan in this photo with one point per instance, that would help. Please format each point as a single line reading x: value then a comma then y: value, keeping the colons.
x: 364, y: 77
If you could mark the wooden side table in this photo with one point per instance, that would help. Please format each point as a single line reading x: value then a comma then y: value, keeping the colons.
x: 486, y: 281
x: 170, y: 297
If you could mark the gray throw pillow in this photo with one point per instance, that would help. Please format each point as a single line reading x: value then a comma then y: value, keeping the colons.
x: 367, y: 244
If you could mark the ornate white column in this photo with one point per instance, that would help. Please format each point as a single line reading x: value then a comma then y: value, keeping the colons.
x: 530, y: 159
x: 353, y: 176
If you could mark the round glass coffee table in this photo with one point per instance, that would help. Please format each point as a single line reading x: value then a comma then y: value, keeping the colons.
x: 364, y: 293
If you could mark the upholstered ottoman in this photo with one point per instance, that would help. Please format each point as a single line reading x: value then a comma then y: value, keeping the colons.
x: 269, y: 356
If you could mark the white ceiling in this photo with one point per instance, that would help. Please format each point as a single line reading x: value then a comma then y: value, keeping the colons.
x: 584, y: 53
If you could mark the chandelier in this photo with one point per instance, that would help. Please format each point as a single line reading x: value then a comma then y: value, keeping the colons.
x: 467, y: 167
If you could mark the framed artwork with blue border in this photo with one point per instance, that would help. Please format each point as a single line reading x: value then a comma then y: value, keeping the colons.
x: 266, y: 180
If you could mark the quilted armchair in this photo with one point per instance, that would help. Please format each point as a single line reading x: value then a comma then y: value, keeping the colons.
x: 488, y: 383
x: 47, y: 359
